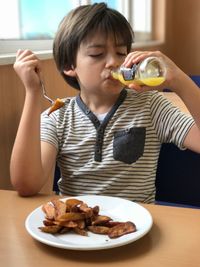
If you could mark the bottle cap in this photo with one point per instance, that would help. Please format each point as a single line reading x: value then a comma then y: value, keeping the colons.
x: 128, y: 73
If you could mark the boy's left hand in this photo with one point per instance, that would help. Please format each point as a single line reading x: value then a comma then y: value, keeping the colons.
x: 172, y: 70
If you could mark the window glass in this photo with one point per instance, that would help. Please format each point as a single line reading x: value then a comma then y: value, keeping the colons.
x: 40, y: 19
x: 111, y: 3
x: 32, y: 24
x: 36, y: 19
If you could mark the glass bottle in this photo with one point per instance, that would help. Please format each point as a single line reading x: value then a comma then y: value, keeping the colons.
x: 151, y: 72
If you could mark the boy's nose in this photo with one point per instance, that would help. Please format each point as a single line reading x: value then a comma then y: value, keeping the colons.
x: 112, y: 62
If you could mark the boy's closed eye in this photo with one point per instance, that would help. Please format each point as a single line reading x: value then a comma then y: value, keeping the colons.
x: 96, y: 55
x: 123, y: 54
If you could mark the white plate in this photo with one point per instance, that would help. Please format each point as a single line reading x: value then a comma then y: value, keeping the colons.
x: 117, y: 208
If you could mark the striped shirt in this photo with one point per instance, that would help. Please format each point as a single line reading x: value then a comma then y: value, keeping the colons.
x: 117, y: 157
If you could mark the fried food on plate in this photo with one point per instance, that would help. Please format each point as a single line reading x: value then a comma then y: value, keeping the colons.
x: 121, y: 229
x: 75, y: 215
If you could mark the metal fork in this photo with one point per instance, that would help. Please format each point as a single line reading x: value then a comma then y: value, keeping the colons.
x: 44, y: 92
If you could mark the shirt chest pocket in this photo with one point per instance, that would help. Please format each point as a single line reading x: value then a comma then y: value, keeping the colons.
x: 128, y: 145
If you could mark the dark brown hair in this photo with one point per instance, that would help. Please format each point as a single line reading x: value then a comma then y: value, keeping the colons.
x: 81, y: 23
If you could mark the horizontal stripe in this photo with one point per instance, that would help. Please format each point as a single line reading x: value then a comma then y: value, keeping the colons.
x: 74, y: 135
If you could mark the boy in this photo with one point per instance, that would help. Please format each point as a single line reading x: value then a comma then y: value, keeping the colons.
x: 107, y: 139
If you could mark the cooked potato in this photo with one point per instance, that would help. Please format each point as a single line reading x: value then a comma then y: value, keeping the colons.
x: 75, y: 215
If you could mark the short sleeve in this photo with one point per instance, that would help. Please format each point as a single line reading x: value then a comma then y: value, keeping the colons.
x: 48, y: 129
x: 171, y: 124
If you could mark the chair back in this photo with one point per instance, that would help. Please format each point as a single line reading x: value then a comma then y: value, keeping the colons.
x: 178, y: 176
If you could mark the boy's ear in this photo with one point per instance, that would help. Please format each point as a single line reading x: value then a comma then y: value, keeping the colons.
x: 70, y: 72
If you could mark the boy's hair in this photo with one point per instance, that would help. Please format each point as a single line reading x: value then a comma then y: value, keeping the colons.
x: 82, y: 22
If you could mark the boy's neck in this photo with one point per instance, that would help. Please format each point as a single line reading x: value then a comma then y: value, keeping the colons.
x: 99, y: 104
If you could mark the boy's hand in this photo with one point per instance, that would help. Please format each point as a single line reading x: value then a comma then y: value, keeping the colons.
x: 172, y: 74
x: 28, y: 68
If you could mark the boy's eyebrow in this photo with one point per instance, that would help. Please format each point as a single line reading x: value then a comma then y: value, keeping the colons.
x: 103, y: 45
x: 95, y: 45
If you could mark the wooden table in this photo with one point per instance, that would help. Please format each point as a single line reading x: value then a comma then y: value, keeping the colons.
x: 174, y: 240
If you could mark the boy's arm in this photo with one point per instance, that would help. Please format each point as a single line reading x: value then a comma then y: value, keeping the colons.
x: 31, y: 163
x: 189, y: 92
x: 180, y: 83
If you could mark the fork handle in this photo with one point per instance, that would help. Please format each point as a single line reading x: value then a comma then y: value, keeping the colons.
x: 44, y: 92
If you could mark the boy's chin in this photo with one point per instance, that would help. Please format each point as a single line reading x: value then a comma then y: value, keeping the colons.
x: 114, y: 90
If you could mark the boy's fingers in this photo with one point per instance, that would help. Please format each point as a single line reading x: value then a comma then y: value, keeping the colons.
x: 135, y: 86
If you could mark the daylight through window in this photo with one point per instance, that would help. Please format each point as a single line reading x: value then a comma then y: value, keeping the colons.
x: 32, y: 24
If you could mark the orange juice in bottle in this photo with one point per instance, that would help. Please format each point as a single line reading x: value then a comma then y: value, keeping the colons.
x: 151, y: 72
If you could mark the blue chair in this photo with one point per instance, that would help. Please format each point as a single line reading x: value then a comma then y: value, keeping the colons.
x: 178, y: 177
x: 57, y: 176
x: 196, y: 79
x: 178, y: 174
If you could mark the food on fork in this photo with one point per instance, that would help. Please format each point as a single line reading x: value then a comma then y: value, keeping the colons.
x: 58, y: 103
x: 75, y: 215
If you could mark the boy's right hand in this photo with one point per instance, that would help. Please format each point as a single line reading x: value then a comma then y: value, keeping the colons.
x: 28, y: 68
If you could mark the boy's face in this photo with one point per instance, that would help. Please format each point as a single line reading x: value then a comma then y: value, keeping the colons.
x: 96, y: 57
